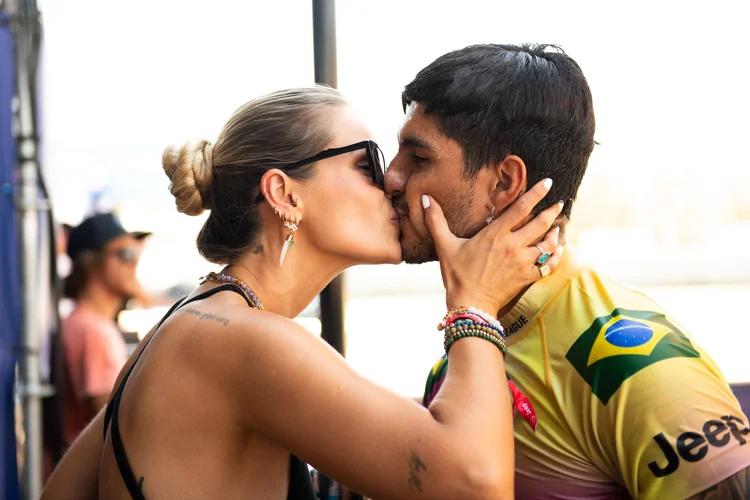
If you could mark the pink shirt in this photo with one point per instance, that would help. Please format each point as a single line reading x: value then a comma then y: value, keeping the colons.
x: 95, y: 352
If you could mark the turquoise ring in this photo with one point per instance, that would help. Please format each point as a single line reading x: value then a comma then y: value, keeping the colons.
x: 544, y: 257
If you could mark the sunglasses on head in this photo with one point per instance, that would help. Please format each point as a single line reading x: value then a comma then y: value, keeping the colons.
x: 375, y: 160
x: 127, y: 255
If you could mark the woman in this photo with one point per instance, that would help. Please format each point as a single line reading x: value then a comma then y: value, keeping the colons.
x: 231, y: 390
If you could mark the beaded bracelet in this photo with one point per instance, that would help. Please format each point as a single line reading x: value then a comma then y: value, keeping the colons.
x: 477, y: 315
x: 462, y: 322
x: 449, y: 341
x: 468, y: 319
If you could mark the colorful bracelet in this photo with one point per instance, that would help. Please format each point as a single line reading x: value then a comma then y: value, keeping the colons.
x: 473, y: 314
x: 498, y: 342
x: 471, y: 322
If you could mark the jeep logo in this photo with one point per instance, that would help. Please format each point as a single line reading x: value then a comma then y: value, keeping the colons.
x: 693, y: 446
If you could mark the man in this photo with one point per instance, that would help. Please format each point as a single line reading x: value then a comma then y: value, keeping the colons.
x: 627, y: 403
x: 104, y: 258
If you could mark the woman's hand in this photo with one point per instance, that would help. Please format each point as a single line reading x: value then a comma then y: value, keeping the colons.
x: 491, y: 268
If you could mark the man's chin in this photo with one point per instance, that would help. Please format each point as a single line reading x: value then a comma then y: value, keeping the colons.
x: 418, y: 253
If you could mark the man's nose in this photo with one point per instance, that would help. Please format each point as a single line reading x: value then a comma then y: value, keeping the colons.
x: 395, y: 178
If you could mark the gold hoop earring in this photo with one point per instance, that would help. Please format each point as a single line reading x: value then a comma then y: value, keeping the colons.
x: 289, y: 240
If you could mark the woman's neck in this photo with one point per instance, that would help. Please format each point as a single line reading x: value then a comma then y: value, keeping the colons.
x: 288, y: 289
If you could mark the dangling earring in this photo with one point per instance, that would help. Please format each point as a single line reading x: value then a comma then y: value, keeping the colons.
x: 289, y: 240
x: 491, y: 217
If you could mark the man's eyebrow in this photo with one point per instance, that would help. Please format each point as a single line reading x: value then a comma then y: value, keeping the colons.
x: 411, y: 141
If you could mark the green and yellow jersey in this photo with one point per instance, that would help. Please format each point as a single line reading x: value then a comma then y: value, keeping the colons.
x: 628, y: 404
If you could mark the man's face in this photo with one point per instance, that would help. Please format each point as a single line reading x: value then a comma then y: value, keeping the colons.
x: 430, y: 163
x: 121, y: 257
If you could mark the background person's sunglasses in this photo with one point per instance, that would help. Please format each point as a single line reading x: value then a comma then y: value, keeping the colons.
x: 127, y: 255
x: 375, y: 161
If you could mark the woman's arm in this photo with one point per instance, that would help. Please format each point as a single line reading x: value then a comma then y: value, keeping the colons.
x: 297, y: 391
x: 77, y: 474
x: 76, y: 477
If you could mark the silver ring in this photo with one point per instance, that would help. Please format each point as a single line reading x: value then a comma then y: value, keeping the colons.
x: 544, y: 270
x: 544, y: 257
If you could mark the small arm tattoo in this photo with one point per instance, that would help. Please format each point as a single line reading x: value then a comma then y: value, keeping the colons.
x: 415, y: 467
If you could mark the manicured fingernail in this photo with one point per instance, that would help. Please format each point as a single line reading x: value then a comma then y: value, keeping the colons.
x: 561, y: 203
x: 560, y: 249
x: 557, y: 229
x: 547, y: 183
x: 425, y: 201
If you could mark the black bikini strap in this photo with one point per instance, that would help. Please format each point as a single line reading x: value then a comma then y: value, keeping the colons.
x: 177, y: 305
x: 110, y: 406
x: 113, y: 408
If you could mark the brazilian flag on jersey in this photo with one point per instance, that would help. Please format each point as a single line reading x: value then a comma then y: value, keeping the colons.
x: 618, y: 345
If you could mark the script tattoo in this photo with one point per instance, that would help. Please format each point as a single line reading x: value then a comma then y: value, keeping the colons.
x: 415, y: 467
x: 208, y: 316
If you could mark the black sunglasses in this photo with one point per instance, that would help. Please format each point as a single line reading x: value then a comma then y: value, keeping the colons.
x: 375, y: 161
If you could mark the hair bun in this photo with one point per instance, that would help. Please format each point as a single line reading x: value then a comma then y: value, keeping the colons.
x: 190, y: 170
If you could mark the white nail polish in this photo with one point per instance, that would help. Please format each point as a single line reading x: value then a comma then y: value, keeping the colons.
x: 425, y: 201
x: 547, y: 183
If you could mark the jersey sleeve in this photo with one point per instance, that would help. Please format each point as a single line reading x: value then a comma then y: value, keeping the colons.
x: 435, y: 380
x: 674, y: 428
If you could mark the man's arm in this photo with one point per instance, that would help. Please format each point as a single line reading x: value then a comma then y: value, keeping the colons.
x: 736, y: 486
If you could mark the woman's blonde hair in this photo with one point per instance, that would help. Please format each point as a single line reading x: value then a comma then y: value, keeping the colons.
x: 269, y: 132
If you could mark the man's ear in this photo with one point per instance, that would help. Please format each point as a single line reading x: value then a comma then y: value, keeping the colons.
x: 509, y: 181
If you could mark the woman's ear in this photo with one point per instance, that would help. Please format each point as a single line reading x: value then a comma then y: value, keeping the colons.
x: 278, y: 190
x: 509, y: 181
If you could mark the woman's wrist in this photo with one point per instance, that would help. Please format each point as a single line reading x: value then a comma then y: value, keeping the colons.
x: 464, y: 322
x: 469, y: 301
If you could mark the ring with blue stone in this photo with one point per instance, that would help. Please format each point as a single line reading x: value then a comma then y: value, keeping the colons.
x: 544, y: 257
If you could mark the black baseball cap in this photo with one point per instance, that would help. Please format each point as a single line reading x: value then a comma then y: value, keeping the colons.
x: 95, y: 232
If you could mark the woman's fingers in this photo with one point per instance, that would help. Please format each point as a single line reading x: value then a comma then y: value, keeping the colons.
x: 552, y: 264
x: 549, y: 244
x: 438, y: 226
x: 521, y: 208
x: 535, y: 228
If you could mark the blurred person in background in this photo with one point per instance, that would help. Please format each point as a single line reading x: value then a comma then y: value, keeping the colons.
x: 628, y: 405
x: 225, y: 393
x: 102, y: 277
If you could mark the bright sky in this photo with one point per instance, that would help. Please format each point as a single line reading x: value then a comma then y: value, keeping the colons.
x: 668, y: 78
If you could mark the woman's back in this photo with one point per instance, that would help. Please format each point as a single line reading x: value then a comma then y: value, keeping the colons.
x: 178, y: 426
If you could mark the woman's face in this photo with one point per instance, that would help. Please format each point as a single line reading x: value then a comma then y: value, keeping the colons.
x: 345, y: 213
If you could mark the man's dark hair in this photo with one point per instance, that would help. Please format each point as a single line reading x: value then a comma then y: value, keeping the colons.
x: 529, y: 100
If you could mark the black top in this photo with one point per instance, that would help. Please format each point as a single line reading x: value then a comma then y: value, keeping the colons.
x: 300, y: 483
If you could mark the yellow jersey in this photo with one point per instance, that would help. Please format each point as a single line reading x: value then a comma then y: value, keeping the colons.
x: 628, y: 405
